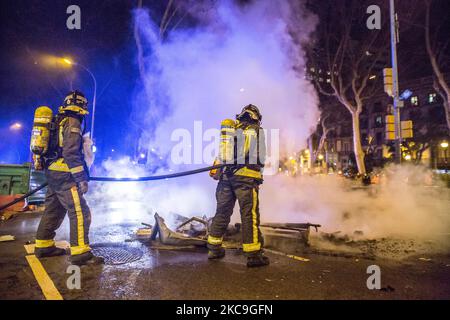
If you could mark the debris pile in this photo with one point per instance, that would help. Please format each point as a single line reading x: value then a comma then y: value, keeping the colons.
x: 193, y: 232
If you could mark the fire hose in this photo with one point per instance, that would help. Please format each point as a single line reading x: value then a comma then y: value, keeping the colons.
x: 111, y: 179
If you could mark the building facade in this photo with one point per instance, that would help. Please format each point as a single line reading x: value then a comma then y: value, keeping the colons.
x: 428, y: 145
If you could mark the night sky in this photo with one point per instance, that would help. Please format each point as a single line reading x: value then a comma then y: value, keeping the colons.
x: 105, y: 45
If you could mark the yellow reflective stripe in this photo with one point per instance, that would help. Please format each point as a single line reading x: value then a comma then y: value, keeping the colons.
x: 79, y: 215
x: 256, y: 245
x: 246, y: 172
x: 246, y: 142
x: 61, y: 132
x: 59, y: 165
x: 214, y: 240
x: 77, y: 169
x: 44, y: 243
x: 254, y: 216
x: 79, y: 250
x: 75, y: 130
x: 76, y: 109
x: 250, y: 247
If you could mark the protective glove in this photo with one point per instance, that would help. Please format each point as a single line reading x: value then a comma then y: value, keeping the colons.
x: 83, y: 186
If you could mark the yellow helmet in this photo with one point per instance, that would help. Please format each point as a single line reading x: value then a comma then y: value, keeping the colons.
x: 76, y: 102
x: 250, y: 111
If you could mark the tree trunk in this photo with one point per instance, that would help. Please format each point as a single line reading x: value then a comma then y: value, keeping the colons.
x: 447, y: 111
x: 357, y: 147
x: 436, y: 68
x: 322, y: 140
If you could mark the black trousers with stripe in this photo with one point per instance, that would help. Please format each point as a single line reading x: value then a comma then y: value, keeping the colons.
x: 245, y: 190
x: 64, y: 197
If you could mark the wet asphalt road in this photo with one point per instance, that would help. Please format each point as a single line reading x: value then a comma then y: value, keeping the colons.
x: 162, y: 274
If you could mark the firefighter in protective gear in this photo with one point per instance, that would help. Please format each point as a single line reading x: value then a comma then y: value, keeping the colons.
x: 67, y: 178
x: 240, y: 182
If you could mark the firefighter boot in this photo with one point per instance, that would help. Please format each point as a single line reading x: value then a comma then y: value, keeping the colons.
x: 257, y: 259
x: 49, y: 252
x: 86, y: 258
x: 215, y: 252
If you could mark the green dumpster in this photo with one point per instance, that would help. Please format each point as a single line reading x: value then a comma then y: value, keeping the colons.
x: 37, y: 178
x: 14, y: 179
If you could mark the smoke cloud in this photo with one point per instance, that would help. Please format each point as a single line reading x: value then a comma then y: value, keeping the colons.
x: 234, y: 55
x: 238, y: 55
x: 405, y: 204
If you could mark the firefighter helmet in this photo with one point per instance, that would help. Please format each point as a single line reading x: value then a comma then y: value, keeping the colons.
x: 250, y: 111
x: 76, y: 102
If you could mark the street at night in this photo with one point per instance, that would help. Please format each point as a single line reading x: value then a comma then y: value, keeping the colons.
x: 225, y: 157
x: 186, y: 274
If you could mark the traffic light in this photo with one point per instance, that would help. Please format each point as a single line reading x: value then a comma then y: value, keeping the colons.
x: 390, y: 127
x: 387, y: 80
x: 407, y: 128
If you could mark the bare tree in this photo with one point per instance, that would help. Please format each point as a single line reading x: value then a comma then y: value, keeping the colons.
x: 325, y: 130
x: 436, y: 53
x: 350, y: 54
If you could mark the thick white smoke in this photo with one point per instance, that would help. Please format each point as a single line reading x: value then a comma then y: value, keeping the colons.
x: 236, y: 56
x: 404, y: 204
x: 240, y: 55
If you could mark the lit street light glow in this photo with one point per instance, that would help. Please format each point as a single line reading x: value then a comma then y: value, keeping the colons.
x: 444, y: 144
x: 16, y: 126
x: 68, y: 61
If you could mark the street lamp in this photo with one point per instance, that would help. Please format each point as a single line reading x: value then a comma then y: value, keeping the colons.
x: 16, y: 126
x: 70, y: 62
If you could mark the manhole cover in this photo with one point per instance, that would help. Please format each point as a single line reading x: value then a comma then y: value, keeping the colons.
x: 116, y: 253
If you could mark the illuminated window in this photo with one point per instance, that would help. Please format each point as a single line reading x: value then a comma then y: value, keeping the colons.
x: 378, y: 121
x: 415, y: 101
x: 432, y: 97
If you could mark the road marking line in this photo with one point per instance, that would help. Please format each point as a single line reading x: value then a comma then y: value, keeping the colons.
x: 29, y: 248
x: 47, y: 286
x: 298, y: 258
